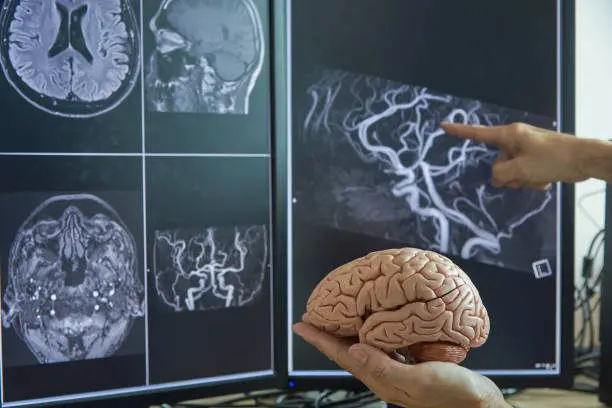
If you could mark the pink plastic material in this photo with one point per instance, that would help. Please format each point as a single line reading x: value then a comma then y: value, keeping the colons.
x: 416, y: 302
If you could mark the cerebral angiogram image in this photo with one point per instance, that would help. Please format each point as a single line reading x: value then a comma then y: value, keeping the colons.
x: 207, y: 58
x: 370, y: 158
x: 75, y: 59
x: 73, y: 283
x: 210, y: 268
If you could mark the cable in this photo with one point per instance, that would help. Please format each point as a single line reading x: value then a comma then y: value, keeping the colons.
x: 585, y: 293
x: 584, y: 211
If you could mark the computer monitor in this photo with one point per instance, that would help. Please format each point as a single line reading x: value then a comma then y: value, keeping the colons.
x: 136, y: 201
x: 369, y: 82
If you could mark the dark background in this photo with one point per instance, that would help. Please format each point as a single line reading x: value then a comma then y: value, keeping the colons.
x: 202, y: 192
x: 33, y: 180
x: 117, y: 131
x: 211, y: 133
x: 498, y: 52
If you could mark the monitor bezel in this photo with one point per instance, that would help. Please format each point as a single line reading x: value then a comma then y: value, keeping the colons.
x: 278, y: 378
x: 567, y: 115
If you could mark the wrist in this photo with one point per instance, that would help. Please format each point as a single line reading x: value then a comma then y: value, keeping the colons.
x: 593, y: 159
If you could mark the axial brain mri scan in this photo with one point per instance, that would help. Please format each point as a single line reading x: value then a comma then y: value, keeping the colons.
x: 213, y: 268
x: 70, y: 58
x: 207, y: 58
x: 414, y: 302
x: 73, y: 288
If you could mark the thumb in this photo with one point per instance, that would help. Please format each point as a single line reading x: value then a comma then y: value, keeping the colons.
x: 505, y: 172
x: 373, y: 364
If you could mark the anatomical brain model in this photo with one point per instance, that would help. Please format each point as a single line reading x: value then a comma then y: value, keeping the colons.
x: 414, y: 302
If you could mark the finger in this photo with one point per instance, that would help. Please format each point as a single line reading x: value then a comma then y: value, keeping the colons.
x: 373, y: 365
x: 490, y: 135
x: 538, y: 186
x: 333, y: 347
x: 506, y: 173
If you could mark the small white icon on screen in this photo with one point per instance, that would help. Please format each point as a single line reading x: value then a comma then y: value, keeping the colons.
x: 541, y: 268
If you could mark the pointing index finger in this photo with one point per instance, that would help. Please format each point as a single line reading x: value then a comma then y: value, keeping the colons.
x: 490, y: 135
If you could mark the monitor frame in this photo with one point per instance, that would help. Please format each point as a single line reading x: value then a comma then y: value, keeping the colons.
x: 567, y: 125
x: 276, y: 380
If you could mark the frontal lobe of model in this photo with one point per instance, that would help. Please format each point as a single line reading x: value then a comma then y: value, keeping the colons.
x: 70, y: 58
x: 211, y: 268
x: 208, y: 56
x: 414, y: 302
x: 372, y: 159
x: 73, y: 286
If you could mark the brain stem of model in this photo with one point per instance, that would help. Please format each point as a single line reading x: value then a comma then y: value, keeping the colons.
x: 415, y: 302
x: 73, y: 287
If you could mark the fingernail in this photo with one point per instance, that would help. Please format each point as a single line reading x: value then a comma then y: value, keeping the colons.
x: 358, y: 354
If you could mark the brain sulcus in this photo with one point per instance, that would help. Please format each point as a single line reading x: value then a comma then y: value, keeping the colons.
x: 406, y: 300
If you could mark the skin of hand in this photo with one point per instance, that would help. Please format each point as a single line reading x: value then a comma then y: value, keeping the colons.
x: 424, y: 385
x: 529, y: 157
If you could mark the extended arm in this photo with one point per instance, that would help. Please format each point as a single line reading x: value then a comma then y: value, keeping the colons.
x: 532, y: 157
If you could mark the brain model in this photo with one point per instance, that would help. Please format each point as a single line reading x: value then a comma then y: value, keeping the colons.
x: 407, y: 300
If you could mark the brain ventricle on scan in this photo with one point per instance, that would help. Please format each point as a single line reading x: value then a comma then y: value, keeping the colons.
x: 415, y: 302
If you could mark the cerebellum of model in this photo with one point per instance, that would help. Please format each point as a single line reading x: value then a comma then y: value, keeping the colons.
x: 414, y: 302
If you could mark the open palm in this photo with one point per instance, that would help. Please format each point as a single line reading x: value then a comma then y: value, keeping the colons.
x: 425, y: 385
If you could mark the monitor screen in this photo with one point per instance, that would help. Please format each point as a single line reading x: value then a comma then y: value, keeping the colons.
x: 135, y: 201
x: 370, y: 169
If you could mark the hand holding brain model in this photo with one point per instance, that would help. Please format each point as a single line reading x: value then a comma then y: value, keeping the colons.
x: 410, y: 301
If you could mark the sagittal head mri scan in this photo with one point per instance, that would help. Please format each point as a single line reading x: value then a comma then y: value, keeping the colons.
x: 70, y: 58
x: 380, y: 165
x: 73, y: 288
x: 212, y: 268
x: 207, y: 58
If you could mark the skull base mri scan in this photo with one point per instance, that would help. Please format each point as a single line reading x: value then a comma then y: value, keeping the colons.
x: 73, y: 280
x: 414, y: 302
x: 207, y: 58
x: 210, y: 269
x: 75, y: 59
x: 378, y: 164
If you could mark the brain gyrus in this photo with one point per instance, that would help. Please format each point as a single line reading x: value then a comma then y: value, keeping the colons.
x: 408, y: 300
x: 73, y: 287
x: 208, y: 56
x: 70, y: 58
x: 198, y: 270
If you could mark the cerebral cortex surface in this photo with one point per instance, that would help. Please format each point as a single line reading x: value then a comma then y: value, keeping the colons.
x: 72, y: 58
x: 197, y: 270
x: 402, y: 299
x: 208, y: 55
x: 371, y: 158
x: 73, y: 285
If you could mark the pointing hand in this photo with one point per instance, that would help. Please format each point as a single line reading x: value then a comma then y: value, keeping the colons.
x: 529, y: 157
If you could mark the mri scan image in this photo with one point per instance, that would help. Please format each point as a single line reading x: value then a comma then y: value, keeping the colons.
x: 212, y: 268
x: 207, y: 58
x: 70, y: 58
x: 73, y: 287
x: 370, y: 158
